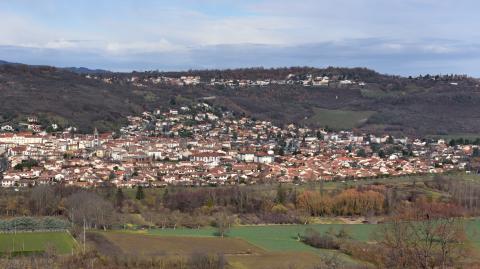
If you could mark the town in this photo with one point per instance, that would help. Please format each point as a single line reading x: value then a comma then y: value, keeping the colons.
x: 201, y: 145
x: 307, y: 80
x: 319, y: 79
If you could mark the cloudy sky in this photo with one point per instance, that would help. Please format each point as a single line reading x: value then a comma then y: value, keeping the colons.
x: 406, y: 37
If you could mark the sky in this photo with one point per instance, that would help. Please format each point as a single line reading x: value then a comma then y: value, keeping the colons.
x: 402, y: 37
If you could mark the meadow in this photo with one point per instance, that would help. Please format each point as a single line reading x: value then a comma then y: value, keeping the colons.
x: 339, y: 119
x: 284, y: 238
x: 36, y: 242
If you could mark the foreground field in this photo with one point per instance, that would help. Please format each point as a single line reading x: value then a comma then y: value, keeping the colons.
x: 62, y: 242
x: 275, y: 237
x: 239, y: 253
x: 148, y: 245
x: 284, y: 238
x: 278, y: 260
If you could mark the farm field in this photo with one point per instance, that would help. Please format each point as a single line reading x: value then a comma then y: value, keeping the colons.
x: 278, y: 260
x: 339, y: 119
x: 147, y: 245
x: 36, y: 242
x: 284, y: 238
x: 238, y: 252
x: 275, y: 237
x: 279, y: 239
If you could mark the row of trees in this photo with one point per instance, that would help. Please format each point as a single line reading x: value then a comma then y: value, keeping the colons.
x: 31, y: 224
x: 348, y: 202
x: 196, y: 207
x: 463, y: 193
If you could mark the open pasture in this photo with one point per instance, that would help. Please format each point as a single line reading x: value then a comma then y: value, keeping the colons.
x: 62, y: 242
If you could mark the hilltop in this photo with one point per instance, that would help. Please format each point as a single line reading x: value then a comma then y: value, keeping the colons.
x: 351, y: 98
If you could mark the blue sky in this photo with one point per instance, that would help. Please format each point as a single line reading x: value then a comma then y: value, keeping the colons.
x: 406, y: 37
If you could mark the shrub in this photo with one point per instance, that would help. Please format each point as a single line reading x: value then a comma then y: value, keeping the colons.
x: 317, y: 240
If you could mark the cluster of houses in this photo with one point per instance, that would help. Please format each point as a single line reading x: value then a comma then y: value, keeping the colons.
x: 204, y: 145
x: 307, y: 80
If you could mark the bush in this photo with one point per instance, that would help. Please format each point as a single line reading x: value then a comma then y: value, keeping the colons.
x: 317, y: 240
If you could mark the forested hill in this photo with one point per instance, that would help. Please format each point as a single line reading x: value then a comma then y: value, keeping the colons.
x: 428, y: 105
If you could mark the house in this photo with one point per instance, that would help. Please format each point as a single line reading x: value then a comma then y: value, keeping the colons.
x: 7, y: 128
x: 246, y: 156
x: 263, y: 157
x: 8, y: 183
x: 208, y: 157
x: 23, y: 138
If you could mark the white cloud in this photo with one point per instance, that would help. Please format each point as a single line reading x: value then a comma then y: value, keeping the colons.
x: 141, y: 47
x: 148, y: 32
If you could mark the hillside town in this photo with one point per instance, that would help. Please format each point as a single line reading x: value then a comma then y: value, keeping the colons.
x: 302, y: 79
x: 200, y: 145
x: 307, y: 80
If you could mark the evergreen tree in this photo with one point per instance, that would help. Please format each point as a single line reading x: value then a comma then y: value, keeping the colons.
x: 140, y: 194
x: 452, y: 143
x: 281, y: 194
x: 119, y: 198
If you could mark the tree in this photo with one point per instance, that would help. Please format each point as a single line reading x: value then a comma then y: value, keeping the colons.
x: 223, y: 224
x: 281, y: 194
x: 361, y: 153
x: 43, y: 200
x: 140, y: 195
x: 476, y: 152
x: 91, y: 208
x: 119, y: 198
x: 424, y: 236
x: 452, y: 143
x: 314, y: 203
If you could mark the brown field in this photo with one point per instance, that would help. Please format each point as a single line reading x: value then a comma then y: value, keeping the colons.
x: 275, y: 260
x: 148, y: 245
x: 239, y: 253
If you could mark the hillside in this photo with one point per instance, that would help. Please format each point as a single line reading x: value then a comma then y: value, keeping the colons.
x: 420, y: 106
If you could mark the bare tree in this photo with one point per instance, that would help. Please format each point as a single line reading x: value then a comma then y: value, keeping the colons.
x: 223, y: 223
x: 424, y: 239
x: 43, y: 200
x: 96, y: 211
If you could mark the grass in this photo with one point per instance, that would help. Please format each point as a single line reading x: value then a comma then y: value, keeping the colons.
x: 259, y: 246
x: 285, y: 237
x: 379, y: 94
x: 242, y: 250
x: 277, y: 238
x: 274, y: 237
x: 36, y: 242
x: 339, y: 119
x: 302, y: 260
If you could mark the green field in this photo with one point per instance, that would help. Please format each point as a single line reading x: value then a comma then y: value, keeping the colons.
x: 240, y: 254
x: 339, y: 119
x: 274, y: 237
x: 278, y: 238
x: 285, y: 237
x: 259, y: 246
x: 36, y: 242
